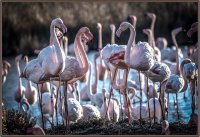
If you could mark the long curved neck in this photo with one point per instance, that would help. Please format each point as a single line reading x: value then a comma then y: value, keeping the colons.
x: 113, y: 35
x: 100, y: 38
x: 153, y: 25
x: 89, y: 90
x: 80, y: 54
x: 177, y: 60
x: 131, y: 42
x: 29, y: 84
x: 18, y: 72
x: 65, y: 43
x: 58, y: 49
x: 181, y: 73
x: 96, y: 75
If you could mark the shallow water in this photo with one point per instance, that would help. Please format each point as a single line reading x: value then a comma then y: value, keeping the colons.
x: 11, y: 83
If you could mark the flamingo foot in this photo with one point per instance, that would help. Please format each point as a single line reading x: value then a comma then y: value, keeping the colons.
x: 193, y: 120
x: 165, y: 128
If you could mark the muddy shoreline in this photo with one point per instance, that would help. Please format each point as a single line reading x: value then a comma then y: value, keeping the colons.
x: 16, y: 123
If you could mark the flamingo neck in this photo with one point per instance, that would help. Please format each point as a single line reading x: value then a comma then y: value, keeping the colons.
x: 177, y: 60
x: 96, y: 75
x: 80, y: 54
x: 131, y: 42
x: 60, y: 57
x: 100, y: 38
x: 89, y: 90
x: 18, y: 72
x: 65, y: 43
x: 113, y: 35
x: 153, y: 25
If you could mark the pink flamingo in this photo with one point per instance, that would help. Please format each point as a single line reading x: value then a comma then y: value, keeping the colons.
x: 141, y: 51
x: 176, y: 83
x: 101, y: 67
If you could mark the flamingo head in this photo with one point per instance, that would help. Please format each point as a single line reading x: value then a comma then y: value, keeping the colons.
x: 58, y: 23
x: 177, y: 30
x: 161, y: 42
x: 194, y: 28
x: 112, y: 26
x: 18, y: 58
x: 7, y: 64
x: 86, y: 35
x: 150, y: 15
x: 147, y: 31
x: 99, y: 26
x: 159, y: 72
x: 174, y: 84
x: 123, y: 26
x: 189, y: 71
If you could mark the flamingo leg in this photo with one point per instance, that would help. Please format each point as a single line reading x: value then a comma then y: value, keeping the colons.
x: 111, y: 89
x: 148, y: 100
x: 56, y: 104
x: 168, y: 105
x: 121, y: 104
x: 140, y: 100
x: 126, y: 71
x: 154, y: 106
x: 177, y: 106
x: 161, y: 100
x: 40, y: 103
x: 66, y: 109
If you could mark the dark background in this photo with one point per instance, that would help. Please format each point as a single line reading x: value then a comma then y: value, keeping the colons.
x: 26, y: 25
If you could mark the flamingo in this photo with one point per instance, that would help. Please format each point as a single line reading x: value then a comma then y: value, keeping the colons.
x: 189, y: 72
x: 159, y: 72
x: 191, y: 31
x: 176, y: 82
x: 75, y: 69
x: 101, y: 66
x: 5, y: 68
x: 84, y: 96
x: 33, y: 71
x: 156, y: 49
x: 20, y: 89
x: 141, y: 51
x: 30, y: 92
x: 52, y: 58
